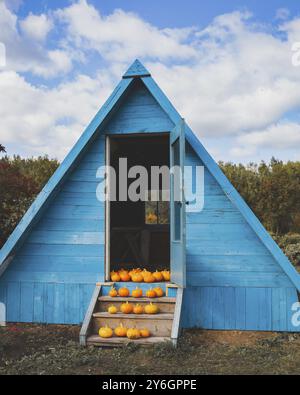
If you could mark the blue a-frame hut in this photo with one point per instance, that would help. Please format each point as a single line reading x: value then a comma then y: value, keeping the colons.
x: 231, y: 273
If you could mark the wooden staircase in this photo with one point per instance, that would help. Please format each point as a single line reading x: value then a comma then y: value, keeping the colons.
x: 164, y: 326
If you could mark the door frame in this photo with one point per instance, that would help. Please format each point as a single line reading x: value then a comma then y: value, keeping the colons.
x: 107, y: 235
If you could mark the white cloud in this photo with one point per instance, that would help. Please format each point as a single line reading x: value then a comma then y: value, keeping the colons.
x: 48, y: 121
x: 25, y: 53
x: 279, y: 136
x: 36, y: 27
x: 233, y: 79
x: 123, y: 36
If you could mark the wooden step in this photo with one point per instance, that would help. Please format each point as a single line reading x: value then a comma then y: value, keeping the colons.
x: 158, y: 316
x: 122, y: 341
x: 158, y: 326
x: 163, y: 299
x: 165, y: 306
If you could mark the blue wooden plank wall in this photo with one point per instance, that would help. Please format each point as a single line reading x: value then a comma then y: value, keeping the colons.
x: 233, y: 282
x: 53, y: 275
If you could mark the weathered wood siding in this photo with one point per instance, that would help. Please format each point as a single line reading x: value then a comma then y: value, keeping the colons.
x: 233, y: 282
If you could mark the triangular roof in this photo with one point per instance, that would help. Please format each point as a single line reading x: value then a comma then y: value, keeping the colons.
x: 137, y: 70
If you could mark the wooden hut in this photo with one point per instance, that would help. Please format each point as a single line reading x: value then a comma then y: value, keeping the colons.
x: 226, y: 270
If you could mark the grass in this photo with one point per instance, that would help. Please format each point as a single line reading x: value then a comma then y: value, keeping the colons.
x: 54, y: 349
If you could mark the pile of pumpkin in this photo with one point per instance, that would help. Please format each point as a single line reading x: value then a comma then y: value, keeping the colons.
x: 139, y: 276
x: 156, y: 292
x: 120, y: 331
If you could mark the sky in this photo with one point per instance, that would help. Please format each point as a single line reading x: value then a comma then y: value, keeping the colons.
x: 231, y: 68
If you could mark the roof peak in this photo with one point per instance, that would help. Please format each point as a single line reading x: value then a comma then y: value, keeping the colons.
x: 137, y: 69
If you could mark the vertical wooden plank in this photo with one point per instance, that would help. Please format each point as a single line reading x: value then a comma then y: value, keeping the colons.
x: 13, y: 302
x: 26, y: 302
x: 72, y: 304
x: 252, y: 309
x: 38, y: 302
x: 49, y: 303
x: 240, y: 303
x: 206, y: 297
x: 218, y: 308
x: 264, y: 309
x: 59, y: 308
x: 230, y: 309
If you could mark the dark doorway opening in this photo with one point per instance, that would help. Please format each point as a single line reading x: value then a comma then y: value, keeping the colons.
x: 139, y: 231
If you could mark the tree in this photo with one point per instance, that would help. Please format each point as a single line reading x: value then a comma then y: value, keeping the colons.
x: 20, y: 181
x: 2, y: 148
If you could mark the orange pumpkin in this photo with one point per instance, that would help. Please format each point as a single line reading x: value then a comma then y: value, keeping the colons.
x: 138, y: 309
x: 121, y: 331
x: 124, y: 275
x: 137, y: 278
x: 126, y: 308
x: 145, y: 332
x: 158, y: 276
x: 124, y: 292
x: 149, y: 278
x: 133, y: 333
x: 151, y: 308
x: 137, y: 293
x: 150, y: 293
x: 145, y: 272
x: 134, y: 271
x: 114, y: 276
x: 112, y: 309
x: 166, y: 275
x: 159, y: 292
x: 105, y: 332
x: 113, y: 292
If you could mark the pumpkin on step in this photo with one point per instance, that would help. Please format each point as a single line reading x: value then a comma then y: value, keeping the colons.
x: 150, y: 293
x: 149, y: 278
x: 121, y: 331
x: 137, y: 278
x: 145, y: 272
x: 105, y: 332
x: 144, y: 332
x: 151, y: 308
x: 166, y: 275
x: 134, y: 271
x: 114, y: 276
x: 137, y: 293
x: 113, y: 292
x: 112, y: 309
x: 159, y: 292
x: 124, y: 275
x: 138, y: 309
x: 126, y: 308
x: 158, y: 276
x: 124, y: 292
x: 133, y: 333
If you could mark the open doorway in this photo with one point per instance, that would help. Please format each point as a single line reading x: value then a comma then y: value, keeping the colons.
x: 138, y: 233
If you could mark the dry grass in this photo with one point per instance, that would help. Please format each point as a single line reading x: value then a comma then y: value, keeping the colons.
x: 54, y: 349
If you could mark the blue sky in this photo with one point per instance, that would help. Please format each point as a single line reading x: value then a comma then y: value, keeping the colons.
x: 239, y: 85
